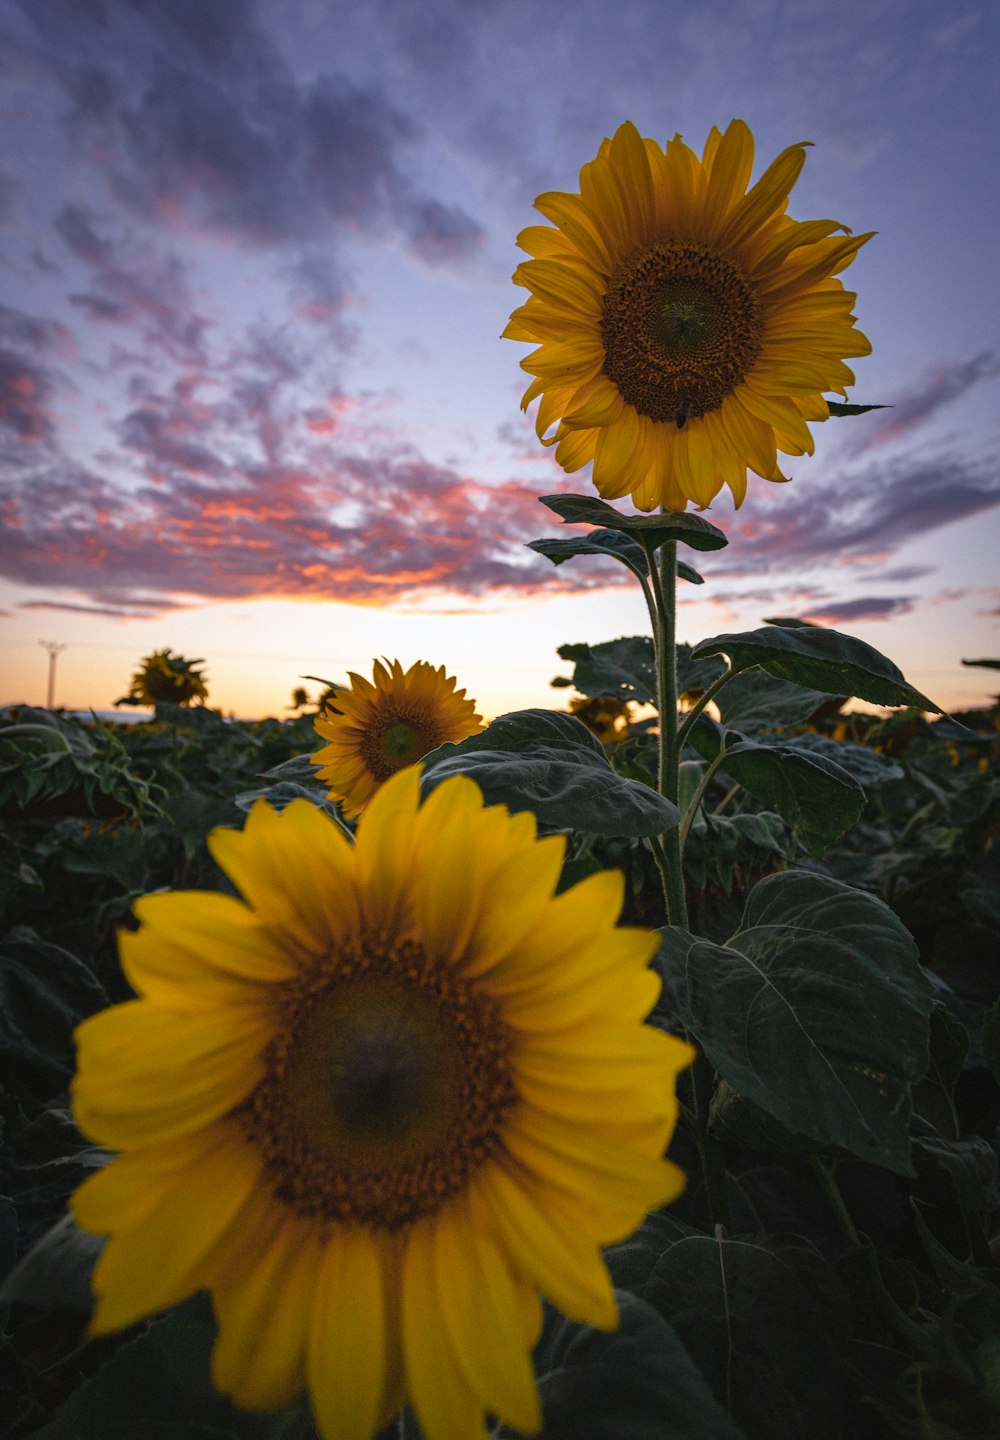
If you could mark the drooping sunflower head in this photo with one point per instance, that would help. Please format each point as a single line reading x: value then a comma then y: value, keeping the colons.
x: 378, y: 1107
x: 164, y: 676
x: 384, y: 724
x: 686, y: 326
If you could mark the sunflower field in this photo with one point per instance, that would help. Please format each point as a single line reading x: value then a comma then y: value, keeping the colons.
x: 852, y: 1287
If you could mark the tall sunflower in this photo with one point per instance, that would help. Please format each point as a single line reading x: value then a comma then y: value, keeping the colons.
x: 377, y: 1107
x: 382, y: 725
x: 686, y: 326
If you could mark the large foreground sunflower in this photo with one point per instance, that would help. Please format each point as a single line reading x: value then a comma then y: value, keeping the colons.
x: 377, y: 1107
x: 686, y: 326
x: 387, y: 723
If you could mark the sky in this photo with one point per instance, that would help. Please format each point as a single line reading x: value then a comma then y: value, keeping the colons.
x: 255, y: 260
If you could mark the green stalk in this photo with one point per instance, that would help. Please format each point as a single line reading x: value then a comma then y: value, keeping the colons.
x: 699, y: 705
x: 663, y: 581
x: 667, y: 849
x: 698, y: 797
x: 826, y: 1173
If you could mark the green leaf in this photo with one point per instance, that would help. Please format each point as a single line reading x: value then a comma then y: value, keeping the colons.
x: 293, y: 779
x: 950, y: 1042
x: 870, y: 768
x: 823, y: 659
x: 734, y: 848
x: 551, y: 764
x: 985, y: 664
x: 837, y: 408
x: 759, y: 1329
x: 55, y: 1273
x: 158, y: 1386
x: 816, y: 1010
x: 610, y: 543
x: 638, y: 1383
x: 696, y: 675
x: 44, y: 994
x: 814, y: 796
x: 625, y: 668
x: 655, y: 530
x: 759, y: 703
x: 970, y: 1164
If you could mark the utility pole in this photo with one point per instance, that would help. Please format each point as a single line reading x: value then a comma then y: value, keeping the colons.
x: 53, y: 647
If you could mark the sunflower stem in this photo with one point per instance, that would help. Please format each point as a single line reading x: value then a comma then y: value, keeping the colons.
x: 663, y: 583
x: 667, y: 852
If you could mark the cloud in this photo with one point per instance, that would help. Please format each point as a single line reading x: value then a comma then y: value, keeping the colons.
x: 868, y: 607
x: 27, y: 379
x: 861, y: 514
x: 937, y: 389
x: 408, y: 530
x: 194, y: 117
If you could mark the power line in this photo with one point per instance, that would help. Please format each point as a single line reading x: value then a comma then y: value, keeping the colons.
x: 53, y: 647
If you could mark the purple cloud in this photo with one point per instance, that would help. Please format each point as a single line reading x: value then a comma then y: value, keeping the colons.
x: 195, y: 117
x: 937, y: 389
x: 868, y: 607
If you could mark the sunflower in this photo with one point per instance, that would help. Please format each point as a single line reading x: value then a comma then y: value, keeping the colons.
x: 686, y: 326
x: 375, y: 729
x: 377, y: 1107
x: 166, y: 676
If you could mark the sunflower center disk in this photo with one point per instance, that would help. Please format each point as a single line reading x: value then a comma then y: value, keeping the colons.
x: 681, y: 328
x: 394, y: 740
x: 385, y: 1088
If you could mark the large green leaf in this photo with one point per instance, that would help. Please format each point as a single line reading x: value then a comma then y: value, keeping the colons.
x: 655, y: 530
x: 551, y: 764
x: 696, y: 675
x: 816, y: 1010
x: 638, y: 1383
x: 823, y: 659
x: 158, y: 1386
x: 599, y: 542
x: 44, y: 994
x: 624, y: 668
x: 760, y: 703
x: 611, y: 543
x: 55, y: 1273
x: 761, y: 1327
x: 870, y: 768
x: 814, y: 796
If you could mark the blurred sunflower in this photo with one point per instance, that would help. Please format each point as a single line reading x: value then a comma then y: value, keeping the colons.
x: 377, y: 1107
x: 164, y: 676
x: 383, y: 725
x: 686, y: 326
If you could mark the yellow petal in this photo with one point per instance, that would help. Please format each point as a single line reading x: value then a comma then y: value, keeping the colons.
x: 770, y: 194
x: 483, y: 1319
x: 296, y: 870
x: 447, y: 1406
x: 575, y: 448
x: 168, y: 1256
x: 199, y: 946
x: 147, y: 1074
x: 564, y: 1264
x: 260, y: 1353
x: 347, y: 1340
x: 383, y: 851
x: 728, y: 176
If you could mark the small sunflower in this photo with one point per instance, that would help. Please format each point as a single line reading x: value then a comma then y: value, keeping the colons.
x: 384, y: 724
x: 166, y: 676
x: 686, y: 326
x: 377, y: 1107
